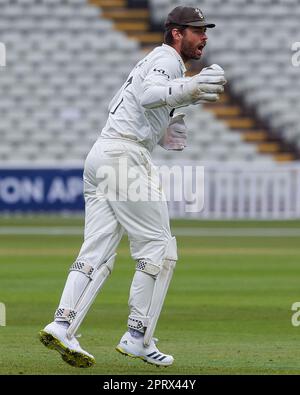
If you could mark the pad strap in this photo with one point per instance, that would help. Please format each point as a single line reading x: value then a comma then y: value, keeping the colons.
x: 137, y: 323
x: 83, y: 268
x: 65, y: 315
x: 147, y: 267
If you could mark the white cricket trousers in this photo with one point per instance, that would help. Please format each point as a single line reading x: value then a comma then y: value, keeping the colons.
x: 106, y: 219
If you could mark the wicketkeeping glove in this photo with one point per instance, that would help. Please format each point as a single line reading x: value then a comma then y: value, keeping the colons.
x: 175, y: 136
x: 213, y: 74
x: 204, y: 86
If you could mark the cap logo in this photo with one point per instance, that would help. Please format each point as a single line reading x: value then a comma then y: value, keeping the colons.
x: 199, y: 12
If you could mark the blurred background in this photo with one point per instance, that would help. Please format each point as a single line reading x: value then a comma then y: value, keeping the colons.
x: 66, y: 58
x: 61, y: 61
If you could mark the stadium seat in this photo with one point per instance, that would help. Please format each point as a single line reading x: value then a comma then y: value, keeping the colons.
x: 58, y: 83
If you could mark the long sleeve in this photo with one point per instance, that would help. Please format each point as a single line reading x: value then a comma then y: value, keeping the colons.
x: 156, y: 83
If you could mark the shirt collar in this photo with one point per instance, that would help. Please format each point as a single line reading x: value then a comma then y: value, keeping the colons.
x: 175, y: 53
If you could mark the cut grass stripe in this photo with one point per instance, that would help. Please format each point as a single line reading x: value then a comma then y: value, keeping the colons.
x: 185, y: 251
x: 190, y: 231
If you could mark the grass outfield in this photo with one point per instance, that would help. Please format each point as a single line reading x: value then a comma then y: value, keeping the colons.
x: 228, y: 310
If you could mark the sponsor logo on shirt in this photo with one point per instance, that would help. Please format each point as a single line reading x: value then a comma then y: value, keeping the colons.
x: 161, y: 71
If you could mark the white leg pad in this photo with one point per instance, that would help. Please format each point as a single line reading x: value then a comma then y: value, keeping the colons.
x: 160, y: 289
x: 96, y: 279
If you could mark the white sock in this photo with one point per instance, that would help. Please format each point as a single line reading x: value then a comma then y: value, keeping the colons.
x: 135, y: 333
x: 63, y: 323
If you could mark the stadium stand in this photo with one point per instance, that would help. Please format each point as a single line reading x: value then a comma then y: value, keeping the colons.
x: 256, y: 52
x: 63, y: 65
x: 59, y: 80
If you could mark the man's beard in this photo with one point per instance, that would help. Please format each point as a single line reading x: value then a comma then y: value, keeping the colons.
x: 189, y: 53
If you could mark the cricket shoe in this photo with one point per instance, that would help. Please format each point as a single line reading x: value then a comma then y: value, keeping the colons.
x: 54, y: 336
x: 135, y: 348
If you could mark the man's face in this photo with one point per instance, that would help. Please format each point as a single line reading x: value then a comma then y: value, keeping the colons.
x: 193, y: 42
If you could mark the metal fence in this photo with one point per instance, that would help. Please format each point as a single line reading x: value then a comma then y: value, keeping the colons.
x: 247, y: 191
x: 225, y: 191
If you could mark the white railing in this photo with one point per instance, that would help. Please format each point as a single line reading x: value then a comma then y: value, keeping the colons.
x: 227, y: 191
x: 248, y: 191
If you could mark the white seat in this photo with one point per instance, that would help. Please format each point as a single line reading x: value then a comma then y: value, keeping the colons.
x: 76, y: 3
x: 57, y: 96
x: 26, y: 2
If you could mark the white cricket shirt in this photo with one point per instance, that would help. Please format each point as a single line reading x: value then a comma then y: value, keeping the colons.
x: 127, y: 117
